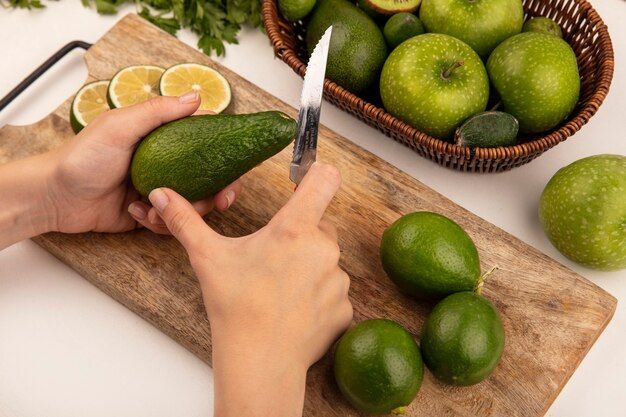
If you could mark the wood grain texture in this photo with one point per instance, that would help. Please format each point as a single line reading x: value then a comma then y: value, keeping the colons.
x: 551, y: 315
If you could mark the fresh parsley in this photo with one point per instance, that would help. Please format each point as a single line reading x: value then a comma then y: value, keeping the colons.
x: 22, y: 4
x: 216, y: 22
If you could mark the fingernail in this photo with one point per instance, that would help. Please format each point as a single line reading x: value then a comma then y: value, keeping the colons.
x: 189, y: 97
x: 158, y: 199
x: 137, y: 211
x: 230, y: 197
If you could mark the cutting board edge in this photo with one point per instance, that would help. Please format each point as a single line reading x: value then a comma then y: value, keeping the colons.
x: 575, y: 366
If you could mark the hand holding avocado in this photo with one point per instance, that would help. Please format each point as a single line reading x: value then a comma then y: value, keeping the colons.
x: 90, y: 190
x: 275, y: 299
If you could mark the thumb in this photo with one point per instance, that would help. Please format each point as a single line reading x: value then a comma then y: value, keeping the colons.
x: 126, y: 126
x: 181, y: 219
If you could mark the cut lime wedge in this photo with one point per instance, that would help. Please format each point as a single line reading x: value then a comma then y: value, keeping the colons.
x: 213, y: 88
x: 89, y: 102
x: 134, y: 84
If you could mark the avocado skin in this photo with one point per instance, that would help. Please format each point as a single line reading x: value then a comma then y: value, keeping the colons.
x: 357, y: 47
x: 198, y: 156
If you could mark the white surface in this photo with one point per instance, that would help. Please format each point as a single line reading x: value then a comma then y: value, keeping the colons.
x: 66, y: 349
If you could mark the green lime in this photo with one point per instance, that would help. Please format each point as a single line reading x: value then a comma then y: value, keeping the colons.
x: 378, y: 367
x: 463, y: 339
x: 400, y: 27
x: 543, y: 25
x: 295, y: 9
x: 428, y: 255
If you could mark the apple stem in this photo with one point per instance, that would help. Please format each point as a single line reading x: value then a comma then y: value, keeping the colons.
x: 447, y: 73
x: 496, y: 106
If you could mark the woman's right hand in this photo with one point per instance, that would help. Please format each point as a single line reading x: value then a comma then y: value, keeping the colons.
x: 276, y: 299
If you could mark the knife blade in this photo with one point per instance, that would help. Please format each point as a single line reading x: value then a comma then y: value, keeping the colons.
x: 305, y: 145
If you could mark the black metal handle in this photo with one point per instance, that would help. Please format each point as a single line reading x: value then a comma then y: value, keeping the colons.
x: 40, y: 70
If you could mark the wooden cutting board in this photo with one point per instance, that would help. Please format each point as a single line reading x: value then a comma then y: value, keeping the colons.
x: 552, y: 316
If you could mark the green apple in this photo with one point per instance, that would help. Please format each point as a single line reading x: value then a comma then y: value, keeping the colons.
x: 434, y: 82
x: 482, y: 24
x: 536, y: 76
x: 583, y: 211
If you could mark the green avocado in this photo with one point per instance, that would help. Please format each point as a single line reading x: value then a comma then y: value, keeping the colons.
x: 378, y: 367
x: 357, y: 47
x: 462, y: 339
x: 429, y: 256
x: 198, y: 156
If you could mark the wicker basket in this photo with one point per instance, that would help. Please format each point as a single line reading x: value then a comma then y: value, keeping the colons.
x: 582, y: 28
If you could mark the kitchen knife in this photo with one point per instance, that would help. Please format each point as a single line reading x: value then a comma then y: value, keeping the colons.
x: 305, y: 146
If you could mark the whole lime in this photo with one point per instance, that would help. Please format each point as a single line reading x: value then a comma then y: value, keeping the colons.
x: 482, y: 24
x: 543, y: 25
x: 378, y: 366
x: 463, y: 339
x: 400, y: 27
x: 583, y: 211
x: 428, y: 255
x: 536, y: 76
x: 434, y: 82
x: 295, y: 9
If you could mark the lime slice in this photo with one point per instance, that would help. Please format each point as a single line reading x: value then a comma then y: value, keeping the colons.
x: 134, y: 84
x: 182, y: 78
x: 89, y: 102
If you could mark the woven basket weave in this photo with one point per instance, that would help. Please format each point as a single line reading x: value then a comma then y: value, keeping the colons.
x: 582, y: 28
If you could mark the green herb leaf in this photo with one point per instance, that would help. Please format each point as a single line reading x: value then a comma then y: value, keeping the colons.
x: 210, y: 44
x: 215, y: 21
x: 105, y: 7
x: 23, y: 4
x: 168, y: 24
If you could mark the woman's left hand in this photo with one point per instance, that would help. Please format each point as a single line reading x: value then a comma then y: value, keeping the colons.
x: 89, y: 187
